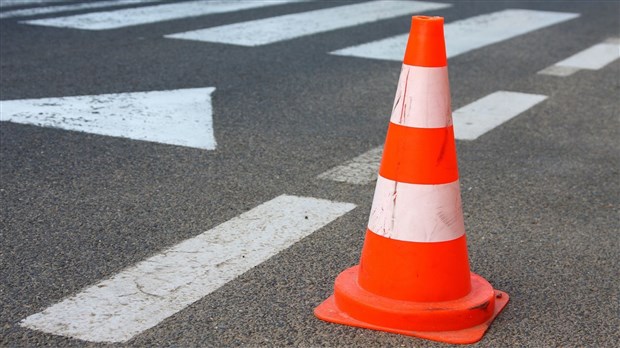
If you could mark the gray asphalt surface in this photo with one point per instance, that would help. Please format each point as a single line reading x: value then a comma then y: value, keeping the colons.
x: 540, y: 192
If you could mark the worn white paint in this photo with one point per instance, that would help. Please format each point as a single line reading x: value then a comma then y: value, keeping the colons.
x: 479, y: 117
x: 178, y: 117
x: 592, y: 58
x: 14, y: 3
x: 150, y: 14
x: 141, y: 296
x: 73, y: 7
x: 274, y: 29
x: 422, y: 98
x: 555, y: 70
x: 470, y: 122
x: 613, y: 41
x: 361, y: 170
x: 416, y: 213
x: 467, y: 34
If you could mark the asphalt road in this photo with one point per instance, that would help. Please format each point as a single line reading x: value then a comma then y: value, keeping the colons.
x: 540, y: 192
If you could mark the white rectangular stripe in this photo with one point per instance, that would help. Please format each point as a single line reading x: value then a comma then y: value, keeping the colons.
x: 592, y: 58
x: 613, y: 40
x: 274, y: 29
x: 74, y: 7
x: 555, y: 70
x: 150, y: 14
x: 360, y: 170
x: 143, y: 295
x: 14, y: 3
x: 470, y: 122
x: 465, y: 35
x: 479, y: 117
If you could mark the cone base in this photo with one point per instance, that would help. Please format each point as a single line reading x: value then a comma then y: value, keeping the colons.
x: 400, y: 317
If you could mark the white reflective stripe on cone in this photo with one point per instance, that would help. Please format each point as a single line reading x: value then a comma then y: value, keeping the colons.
x: 416, y: 213
x: 422, y: 98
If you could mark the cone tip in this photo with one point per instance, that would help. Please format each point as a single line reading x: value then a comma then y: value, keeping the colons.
x: 427, y: 20
x: 426, y: 44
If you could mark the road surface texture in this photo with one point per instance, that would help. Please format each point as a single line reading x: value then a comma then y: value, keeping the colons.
x: 540, y: 190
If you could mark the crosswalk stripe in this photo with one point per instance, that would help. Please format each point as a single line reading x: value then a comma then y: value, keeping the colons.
x: 470, y: 122
x: 180, y: 117
x: 465, y: 35
x: 14, y: 3
x: 479, y: 117
x: 150, y: 14
x: 592, y: 58
x: 360, y: 170
x: 73, y: 7
x: 274, y: 29
x: 141, y: 296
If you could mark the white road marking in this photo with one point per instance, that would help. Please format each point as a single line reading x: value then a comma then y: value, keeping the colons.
x: 14, y: 3
x: 479, y: 117
x: 555, y: 70
x: 361, y: 170
x: 470, y: 122
x: 274, y: 29
x: 613, y: 40
x: 73, y: 7
x: 150, y: 14
x: 592, y: 58
x: 178, y: 117
x: 465, y: 35
x: 141, y: 296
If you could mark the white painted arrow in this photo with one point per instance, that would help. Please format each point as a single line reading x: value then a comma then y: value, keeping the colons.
x: 177, y: 117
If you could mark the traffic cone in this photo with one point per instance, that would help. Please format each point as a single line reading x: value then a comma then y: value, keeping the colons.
x: 414, y: 276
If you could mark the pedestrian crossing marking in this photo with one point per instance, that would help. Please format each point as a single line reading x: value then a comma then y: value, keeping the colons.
x: 15, y: 3
x: 286, y: 27
x: 465, y: 35
x: 150, y: 14
x: 143, y: 295
x: 592, y: 58
x: 73, y: 7
x: 360, y: 170
x: 481, y: 116
x: 470, y: 122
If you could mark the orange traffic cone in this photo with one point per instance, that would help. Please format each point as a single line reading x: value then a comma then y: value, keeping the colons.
x: 414, y: 276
